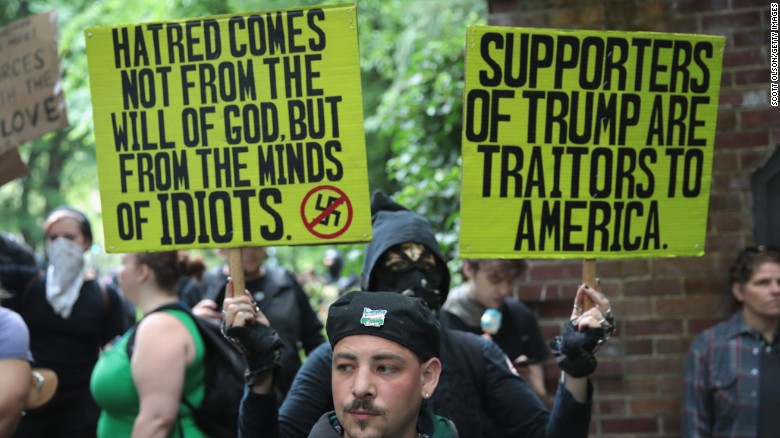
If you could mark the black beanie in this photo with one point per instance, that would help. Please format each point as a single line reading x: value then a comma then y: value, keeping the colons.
x: 404, y: 320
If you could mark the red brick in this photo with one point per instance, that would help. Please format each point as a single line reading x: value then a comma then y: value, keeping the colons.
x: 726, y: 79
x: 630, y: 425
x: 723, y: 161
x: 727, y: 120
x: 724, y: 222
x: 653, y: 327
x: 622, y: 268
x: 760, y: 117
x: 555, y: 309
x: 628, y: 386
x: 743, y: 99
x: 683, y: 25
x: 723, y: 243
x: 644, y: 365
x: 652, y: 287
x: 730, y: 20
x: 743, y: 58
x: 744, y: 139
x: 671, y: 385
x: 612, y: 407
x: 563, y: 270
x: 690, y: 305
x: 634, y: 307
x: 656, y: 405
x: 501, y: 6
x: 676, y: 345
x: 739, y: 4
x: 591, y: 17
x: 725, y: 202
x: 680, y: 265
x: 639, y: 347
x: 608, y: 369
x: 697, y: 6
x: 696, y: 326
x: 671, y: 424
x: 751, y: 77
x: 518, y: 20
x: 744, y: 38
x: 550, y: 329
x: 751, y: 160
x: 534, y: 293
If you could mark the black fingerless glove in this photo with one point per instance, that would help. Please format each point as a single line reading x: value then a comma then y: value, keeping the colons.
x: 575, y: 351
x: 260, y: 345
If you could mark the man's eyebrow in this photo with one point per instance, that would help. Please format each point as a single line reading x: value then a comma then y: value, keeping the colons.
x: 344, y: 355
x: 388, y: 356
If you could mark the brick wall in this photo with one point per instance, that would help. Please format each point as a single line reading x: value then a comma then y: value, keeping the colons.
x: 663, y: 303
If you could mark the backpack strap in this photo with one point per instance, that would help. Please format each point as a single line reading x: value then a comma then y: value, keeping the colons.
x: 130, y: 346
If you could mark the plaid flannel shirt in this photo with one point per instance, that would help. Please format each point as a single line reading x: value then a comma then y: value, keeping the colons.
x: 722, y: 382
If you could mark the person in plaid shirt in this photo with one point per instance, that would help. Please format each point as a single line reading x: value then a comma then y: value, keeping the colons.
x: 732, y: 372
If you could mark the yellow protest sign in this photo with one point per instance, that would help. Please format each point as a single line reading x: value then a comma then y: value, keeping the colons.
x: 31, y: 99
x: 230, y: 131
x: 587, y: 144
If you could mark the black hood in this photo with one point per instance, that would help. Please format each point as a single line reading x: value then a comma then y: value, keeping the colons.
x: 392, y: 224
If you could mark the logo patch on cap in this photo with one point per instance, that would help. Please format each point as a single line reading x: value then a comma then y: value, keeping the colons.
x: 373, y: 318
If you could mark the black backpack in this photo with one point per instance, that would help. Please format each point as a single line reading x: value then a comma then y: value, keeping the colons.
x: 217, y: 415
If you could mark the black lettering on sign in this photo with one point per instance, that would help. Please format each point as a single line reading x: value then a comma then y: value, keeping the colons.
x: 132, y: 132
x: 130, y: 219
x: 187, y: 217
x: 228, y: 81
x: 692, y: 165
x: 153, y: 172
x: 22, y: 119
x: 678, y: 126
x: 292, y: 163
x: 576, y: 117
x: 308, y: 118
x: 223, y: 167
x: 140, y: 88
x: 251, y: 123
x: 266, y: 196
x: 196, y: 126
x: 607, y: 226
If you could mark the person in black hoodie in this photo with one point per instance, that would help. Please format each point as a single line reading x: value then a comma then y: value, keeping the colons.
x: 404, y: 257
x: 277, y: 294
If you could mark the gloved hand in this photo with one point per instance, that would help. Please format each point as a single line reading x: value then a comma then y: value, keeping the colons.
x: 575, y: 350
x: 260, y: 345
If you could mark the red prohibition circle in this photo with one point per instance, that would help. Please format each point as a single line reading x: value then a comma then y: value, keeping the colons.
x: 343, y: 199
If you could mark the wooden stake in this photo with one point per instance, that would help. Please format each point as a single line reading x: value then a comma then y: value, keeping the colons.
x: 589, y: 278
x: 237, y: 271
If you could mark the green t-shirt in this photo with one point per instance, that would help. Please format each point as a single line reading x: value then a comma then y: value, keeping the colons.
x: 114, y: 391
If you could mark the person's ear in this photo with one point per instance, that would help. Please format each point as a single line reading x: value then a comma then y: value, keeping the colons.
x: 144, y: 272
x: 468, y: 270
x: 430, y: 371
x: 736, y: 290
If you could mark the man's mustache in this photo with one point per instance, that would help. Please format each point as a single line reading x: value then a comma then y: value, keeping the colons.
x: 364, y: 405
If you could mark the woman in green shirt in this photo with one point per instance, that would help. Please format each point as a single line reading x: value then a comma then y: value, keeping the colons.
x: 141, y: 394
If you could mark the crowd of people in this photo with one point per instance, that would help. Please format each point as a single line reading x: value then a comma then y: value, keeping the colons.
x: 403, y: 355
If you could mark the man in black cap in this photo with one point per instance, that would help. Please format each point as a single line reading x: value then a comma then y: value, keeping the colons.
x: 477, y: 390
x: 385, y: 362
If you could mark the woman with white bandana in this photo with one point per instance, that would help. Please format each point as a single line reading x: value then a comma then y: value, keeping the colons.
x: 70, y: 317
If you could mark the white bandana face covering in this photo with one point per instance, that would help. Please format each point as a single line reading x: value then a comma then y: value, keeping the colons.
x: 65, y: 275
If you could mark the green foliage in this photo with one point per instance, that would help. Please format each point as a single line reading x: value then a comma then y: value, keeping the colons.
x: 412, y: 59
x: 417, y: 58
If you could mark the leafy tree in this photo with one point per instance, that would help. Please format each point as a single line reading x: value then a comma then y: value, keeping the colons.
x: 412, y: 78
